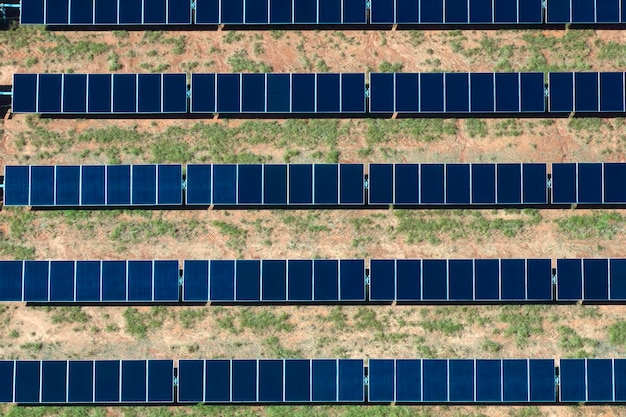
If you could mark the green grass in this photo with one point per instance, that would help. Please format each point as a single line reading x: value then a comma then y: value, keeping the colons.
x: 264, y: 321
x: 385, y: 66
x: 444, y: 325
x: 522, y: 323
x: 239, y: 61
x: 276, y: 350
x: 237, y: 236
x: 603, y: 225
x: 476, y: 128
x: 138, y: 324
x: 32, y: 346
x: 366, y: 319
x: 380, y: 131
x: 188, y: 318
x: 574, y: 345
x: 490, y: 346
x: 68, y: 315
x: 617, y: 333
x: 146, y: 230
x: 337, y: 317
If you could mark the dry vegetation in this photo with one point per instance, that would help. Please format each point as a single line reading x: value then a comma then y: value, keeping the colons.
x: 320, y: 331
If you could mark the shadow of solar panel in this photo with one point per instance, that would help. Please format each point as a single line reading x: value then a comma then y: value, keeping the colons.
x: 325, y: 280
x: 16, y: 186
x: 62, y: 281
x: 190, y: 381
x: 461, y: 380
x: 572, y: 380
x: 513, y: 279
x: 434, y: 279
x: 27, y: 382
x: 42, y: 186
x: 515, y: 380
x: 53, y: 381
x: 561, y: 86
x: 275, y: 184
x: 299, y: 280
x: 274, y: 283
x: 196, y: 281
x: 382, y: 285
x: 381, y: 386
x: 222, y: 280
x: 80, y: 380
x: 596, y: 279
x: 114, y: 287
x: 133, y: 381
x: 432, y: 186
x: 298, y: 380
x: 614, y: 177
x: 324, y: 378
x: 248, y: 280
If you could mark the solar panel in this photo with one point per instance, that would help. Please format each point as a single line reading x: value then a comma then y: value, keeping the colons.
x: 75, y: 186
x: 458, y: 184
x: 258, y: 184
x: 583, y: 11
x: 456, y: 93
x: 591, y: 279
x: 274, y: 280
x: 278, y: 93
x: 586, y: 92
x: 105, y: 12
x: 271, y: 380
x: 459, y: 280
x: 588, y: 183
x: 461, y: 380
x: 99, y: 93
x: 592, y: 380
x: 89, y: 281
x: 455, y: 12
x: 75, y: 382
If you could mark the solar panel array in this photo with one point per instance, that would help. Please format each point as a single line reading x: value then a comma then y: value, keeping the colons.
x: 461, y: 280
x: 591, y: 279
x: 274, y: 280
x: 457, y: 92
x: 89, y: 281
x: 335, y: 12
x: 458, y: 184
x: 271, y: 381
x: 461, y: 380
x: 327, y: 93
x: 592, y: 380
x: 588, y: 183
x: 93, y: 185
x: 88, y: 382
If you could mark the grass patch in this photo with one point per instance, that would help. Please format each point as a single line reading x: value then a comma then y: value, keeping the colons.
x: 276, y: 350
x: 603, y: 225
x: 337, y: 317
x: 237, y: 237
x: 148, y: 230
x: 264, y: 321
x: 380, y: 131
x: 32, y: 346
x: 446, y: 326
x: 68, y: 315
x: 476, y: 128
x: 138, y: 324
x: 490, y: 346
x: 523, y: 322
x: 365, y: 319
x: 617, y: 333
x: 188, y: 318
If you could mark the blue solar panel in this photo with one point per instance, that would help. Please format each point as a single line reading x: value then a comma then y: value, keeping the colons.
x: 458, y: 184
x: 114, y: 281
x: 483, y: 183
x: 564, y: 183
x: 509, y: 184
x: 36, y: 281
x: 27, y: 377
x: 274, y: 286
x: 596, y: 279
x: 190, y: 377
x: 217, y: 376
x: 11, y: 280
x: 572, y: 378
x: 244, y: 380
x: 300, y: 184
x: 248, y: 281
x: 617, y: 276
x: 326, y: 184
x: 80, y: 382
x: 7, y: 369
x: 351, y: 190
x: 324, y: 380
x: 381, y: 376
x: 381, y: 184
x: 614, y: 176
x: 434, y: 380
x: 16, y: 186
x: 53, y: 381
x: 275, y: 184
x: 515, y: 380
x: 297, y: 382
x: 539, y: 279
x: 586, y: 91
x: 619, y: 371
x: 569, y: 279
x: 561, y: 91
x: 325, y: 280
x: 460, y: 279
x: 534, y: 188
x: 434, y: 280
x: 432, y: 187
x: 512, y: 279
x: 222, y: 280
x: 611, y: 91
x: 461, y: 380
x: 487, y: 279
x: 350, y: 376
x: 300, y: 280
x: 42, y: 186
x: 88, y: 281
x: 271, y: 381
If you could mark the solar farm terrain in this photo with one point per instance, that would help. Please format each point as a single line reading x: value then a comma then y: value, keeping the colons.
x: 185, y: 332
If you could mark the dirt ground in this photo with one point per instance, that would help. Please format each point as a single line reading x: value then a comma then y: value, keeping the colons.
x: 314, y: 331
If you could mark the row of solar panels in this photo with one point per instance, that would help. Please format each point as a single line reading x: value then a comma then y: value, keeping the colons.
x: 326, y: 93
x: 318, y: 281
x: 313, y: 381
x: 312, y: 12
x: 323, y: 185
